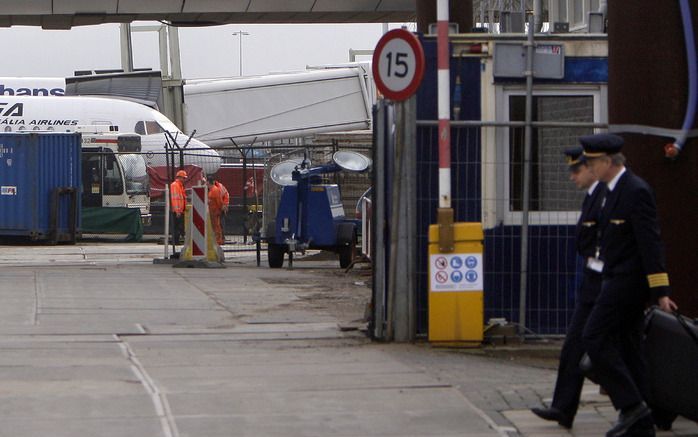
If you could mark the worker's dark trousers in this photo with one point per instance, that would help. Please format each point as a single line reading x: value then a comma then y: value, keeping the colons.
x: 613, y: 338
x: 177, y: 229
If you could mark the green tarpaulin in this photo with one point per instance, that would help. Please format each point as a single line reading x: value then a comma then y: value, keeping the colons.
x: 113, y: 221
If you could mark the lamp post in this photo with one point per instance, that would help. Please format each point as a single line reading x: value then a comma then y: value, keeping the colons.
x: 241, y: 34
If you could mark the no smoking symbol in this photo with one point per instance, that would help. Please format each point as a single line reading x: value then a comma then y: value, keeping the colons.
x: 441, y: 277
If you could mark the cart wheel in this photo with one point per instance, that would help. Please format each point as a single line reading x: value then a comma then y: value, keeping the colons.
x: 275, y: 255
x: 347, y: 253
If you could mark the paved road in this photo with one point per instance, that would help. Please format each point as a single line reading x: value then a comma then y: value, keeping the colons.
x: 96, y: 340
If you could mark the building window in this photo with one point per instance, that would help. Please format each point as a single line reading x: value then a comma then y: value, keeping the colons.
x: 578, y: 12
x: 562, y: 14
x: 550, y: 187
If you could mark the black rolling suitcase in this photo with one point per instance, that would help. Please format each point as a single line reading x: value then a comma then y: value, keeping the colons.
x: 671, y: 351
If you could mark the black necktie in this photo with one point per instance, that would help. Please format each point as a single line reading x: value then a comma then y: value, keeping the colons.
x: 603, y: 210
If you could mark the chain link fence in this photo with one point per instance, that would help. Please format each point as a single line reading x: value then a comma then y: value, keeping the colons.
x: 487, y: 177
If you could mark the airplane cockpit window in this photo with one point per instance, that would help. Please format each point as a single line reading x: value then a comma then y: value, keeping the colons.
x: 152, y: 127
x: 149, y: 127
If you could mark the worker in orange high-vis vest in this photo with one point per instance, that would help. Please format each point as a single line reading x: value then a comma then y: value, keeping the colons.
x: 226, y: 203
x: 178, y: 203
x: 224, y: 195
x: 215, y: 209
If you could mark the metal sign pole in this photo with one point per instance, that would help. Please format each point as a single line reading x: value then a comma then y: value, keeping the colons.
x: 445, y: 211
x: 526, y: 176
x: 166, y: 232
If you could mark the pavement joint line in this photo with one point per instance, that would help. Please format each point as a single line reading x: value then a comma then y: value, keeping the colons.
x: 503, y: 431
x: 37, y: 285
x: 209, y: 295
x: 376, y: 387
x: 159, y: 399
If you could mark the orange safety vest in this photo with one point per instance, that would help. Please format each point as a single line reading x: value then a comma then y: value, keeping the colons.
x: 178, y: 197
x: 215, y: 200
x: 224, y: 193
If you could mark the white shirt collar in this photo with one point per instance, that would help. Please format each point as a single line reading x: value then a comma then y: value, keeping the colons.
x: 591, y: 189
x: 611, y: 185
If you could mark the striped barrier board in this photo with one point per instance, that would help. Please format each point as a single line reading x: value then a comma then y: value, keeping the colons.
x: 199, y: 203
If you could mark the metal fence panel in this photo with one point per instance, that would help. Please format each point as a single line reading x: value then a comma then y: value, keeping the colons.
x: 487, y: 183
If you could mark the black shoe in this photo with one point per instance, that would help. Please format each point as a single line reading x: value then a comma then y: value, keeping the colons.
x: 554, y: 415
x: 663, y: 419
x: 642, y: 428
x: 627, y: 419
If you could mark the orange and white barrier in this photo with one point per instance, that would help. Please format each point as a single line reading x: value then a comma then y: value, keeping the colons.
x: 199, y: 203
x: 200, y: 240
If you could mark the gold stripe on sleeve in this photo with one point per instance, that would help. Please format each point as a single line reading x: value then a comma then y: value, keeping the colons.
x: 658, y: 280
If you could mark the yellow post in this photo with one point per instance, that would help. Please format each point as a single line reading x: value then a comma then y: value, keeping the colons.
x: 456, y: 303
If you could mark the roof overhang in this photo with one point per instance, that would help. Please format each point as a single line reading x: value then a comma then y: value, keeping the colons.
x: 64, y: 14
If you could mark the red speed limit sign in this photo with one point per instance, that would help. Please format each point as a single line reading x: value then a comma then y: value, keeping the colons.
x: 398, y: 64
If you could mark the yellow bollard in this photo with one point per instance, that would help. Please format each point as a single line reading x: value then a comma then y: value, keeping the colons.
x: 456, y: 303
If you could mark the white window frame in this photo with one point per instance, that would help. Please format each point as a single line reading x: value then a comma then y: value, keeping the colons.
x: 599, y: 93
x: 576, y: 26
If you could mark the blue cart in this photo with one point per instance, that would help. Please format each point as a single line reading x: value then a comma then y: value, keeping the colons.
x: 310, y: 213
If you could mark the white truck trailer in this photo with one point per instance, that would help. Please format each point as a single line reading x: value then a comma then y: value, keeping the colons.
x: 276, y: 106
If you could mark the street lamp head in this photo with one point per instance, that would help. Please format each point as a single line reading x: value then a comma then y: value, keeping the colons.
x: 241, y: 34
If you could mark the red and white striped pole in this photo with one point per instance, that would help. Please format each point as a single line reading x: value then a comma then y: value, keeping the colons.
x: 445, y: 212
x: 199, y: 200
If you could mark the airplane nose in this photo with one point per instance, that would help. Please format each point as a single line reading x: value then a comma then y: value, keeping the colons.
x: 208, y: 158
x: 202, y: 149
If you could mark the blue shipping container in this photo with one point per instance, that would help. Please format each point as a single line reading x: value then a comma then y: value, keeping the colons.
x: 40, y: 185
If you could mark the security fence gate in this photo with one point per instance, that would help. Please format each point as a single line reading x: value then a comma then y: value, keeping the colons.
x: 487, y: 185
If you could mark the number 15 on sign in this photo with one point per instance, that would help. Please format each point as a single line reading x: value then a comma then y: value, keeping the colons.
x: 398, y: 64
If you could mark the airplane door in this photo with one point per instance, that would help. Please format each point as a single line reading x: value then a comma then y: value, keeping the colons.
x: 92, y: 177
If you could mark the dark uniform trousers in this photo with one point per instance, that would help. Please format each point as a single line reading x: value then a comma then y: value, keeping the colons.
x: 633, y: 257
x: 613, y: 338
x: 178, y: 229
x: 568, y: 387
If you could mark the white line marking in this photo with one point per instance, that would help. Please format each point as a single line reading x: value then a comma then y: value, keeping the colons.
x: 162, y: 406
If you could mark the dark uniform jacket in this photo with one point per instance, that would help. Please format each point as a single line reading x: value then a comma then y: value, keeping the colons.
x: 587, y: 240
x: 630, y: 242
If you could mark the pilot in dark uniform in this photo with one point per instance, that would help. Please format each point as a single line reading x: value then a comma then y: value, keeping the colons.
x: 632, y: 265
x: 570, y: 380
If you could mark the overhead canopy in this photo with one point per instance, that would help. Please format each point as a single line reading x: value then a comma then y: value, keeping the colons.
x: 63, y: 14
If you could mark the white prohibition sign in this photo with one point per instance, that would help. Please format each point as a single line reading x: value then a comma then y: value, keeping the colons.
x: 398, y: 64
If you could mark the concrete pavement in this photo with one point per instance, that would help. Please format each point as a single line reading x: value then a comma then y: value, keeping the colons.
x: 95, y: 340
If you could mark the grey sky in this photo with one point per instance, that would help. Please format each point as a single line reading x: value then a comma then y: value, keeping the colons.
x: 206, y: 52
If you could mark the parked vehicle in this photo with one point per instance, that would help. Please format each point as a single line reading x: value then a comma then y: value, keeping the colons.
x: 114, y: 172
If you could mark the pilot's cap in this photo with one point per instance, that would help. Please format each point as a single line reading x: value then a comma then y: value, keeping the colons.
x: 601, y: 144
x: 574, y: 156
x: 181, y: 174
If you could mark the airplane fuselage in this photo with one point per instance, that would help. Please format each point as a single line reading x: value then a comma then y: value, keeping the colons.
x: 29, y: 108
